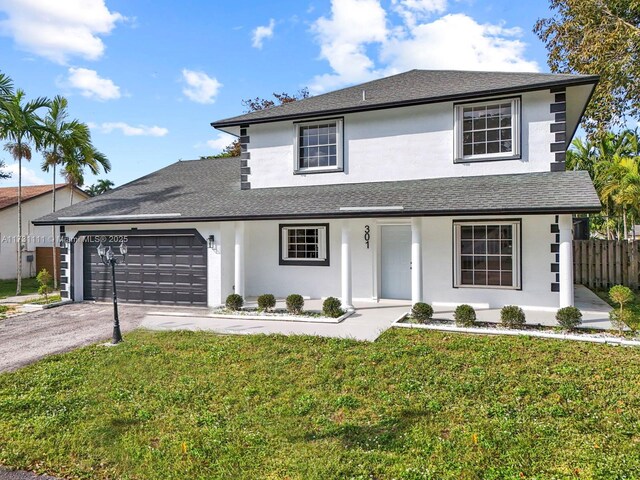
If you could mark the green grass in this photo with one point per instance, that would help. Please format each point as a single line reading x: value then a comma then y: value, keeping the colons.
x: 4, y: 309
x: 54, y: 297
x: 412, y: 405
x: 634, y: 306
x: 8, y: 287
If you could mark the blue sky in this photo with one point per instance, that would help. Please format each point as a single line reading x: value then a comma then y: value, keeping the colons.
x: 149, y: 76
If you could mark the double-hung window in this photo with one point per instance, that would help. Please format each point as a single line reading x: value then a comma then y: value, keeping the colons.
x: 304, y: 244
x: 487, y: 254
x: 318, y: 146
x: 487, y: 130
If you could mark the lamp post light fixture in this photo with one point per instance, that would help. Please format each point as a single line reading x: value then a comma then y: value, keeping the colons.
x: 109, y: 258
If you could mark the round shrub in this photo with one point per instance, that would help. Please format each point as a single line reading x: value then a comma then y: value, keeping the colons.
x: 512, y: 316
x: 620, y: 294
x: 295, y: 304
x: 422, y: 312
x: 234, y: 302
x: 332, y: 307
x: 465, y: 316
x: 569, y: 317
x: 266, y: 302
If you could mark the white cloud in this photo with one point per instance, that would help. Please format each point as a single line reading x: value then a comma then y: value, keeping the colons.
x: 130, y: 130
x: 469, y: 46
x: 91, y: 85
x: 343, y: 40
x: 362, y: 41
x: 261, y: 33
x: 220, y: 142
x: 201, y: 88
x: 29, y: 176
x: 58, y: 30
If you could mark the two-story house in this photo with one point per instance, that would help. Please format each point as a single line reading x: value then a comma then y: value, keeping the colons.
x: 446, y: 187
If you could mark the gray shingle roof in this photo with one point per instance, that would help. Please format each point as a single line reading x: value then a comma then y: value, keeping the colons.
x: 410, y: 88
x: 210, y: 190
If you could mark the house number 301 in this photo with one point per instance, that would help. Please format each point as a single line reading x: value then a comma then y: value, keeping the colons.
x: 367, y: 235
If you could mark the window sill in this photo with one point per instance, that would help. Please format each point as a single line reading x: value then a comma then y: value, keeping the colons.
x: 319, y: 170
x: 487, y: 287
x: 305, y: 263
x: 486, y: 159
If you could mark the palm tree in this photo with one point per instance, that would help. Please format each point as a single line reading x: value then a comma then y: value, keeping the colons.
x: 104, y: 185
x: 21, y: 125
x: 62, y: 136
x: 6, y: 87
x: 80, y: 158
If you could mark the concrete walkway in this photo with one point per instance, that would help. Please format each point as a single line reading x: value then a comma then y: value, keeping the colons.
x: 366, y: 324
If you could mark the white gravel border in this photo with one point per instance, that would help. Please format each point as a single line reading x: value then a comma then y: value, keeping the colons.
x: 579, y: 337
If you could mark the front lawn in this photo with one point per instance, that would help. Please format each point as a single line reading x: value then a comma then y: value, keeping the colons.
x: 8, y: 287
x: 412, y: 405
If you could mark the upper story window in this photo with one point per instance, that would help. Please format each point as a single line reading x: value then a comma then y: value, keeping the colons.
x: 318, y: 146
x: 487, y: 130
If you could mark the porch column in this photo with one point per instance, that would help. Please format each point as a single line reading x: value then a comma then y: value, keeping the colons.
x: 347, y: 297
x: 416, y: 260
x: 565, y: 225
x: 239, y: 259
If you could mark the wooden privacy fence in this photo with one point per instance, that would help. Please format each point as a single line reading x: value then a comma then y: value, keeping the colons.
x: 604, y: 263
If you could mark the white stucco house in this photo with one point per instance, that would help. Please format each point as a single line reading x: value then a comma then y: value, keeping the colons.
x: 446, y: 187
x: 36, y: 202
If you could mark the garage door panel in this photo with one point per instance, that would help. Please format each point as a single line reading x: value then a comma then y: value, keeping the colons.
x: 160, y: 269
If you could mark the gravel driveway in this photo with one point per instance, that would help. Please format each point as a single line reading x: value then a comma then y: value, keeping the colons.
x: 29, y: 337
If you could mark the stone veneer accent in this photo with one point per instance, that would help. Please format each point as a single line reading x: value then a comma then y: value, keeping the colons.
x: 555, y: 250
x: 559, y: 128
x: 245, y: 169
x: 66, y: 290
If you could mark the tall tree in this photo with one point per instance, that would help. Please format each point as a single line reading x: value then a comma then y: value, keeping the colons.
x: 80, y: 158
x: 61, y: 137
x: 598, y: 37
x: 21, y: 126
x: 255, y: 104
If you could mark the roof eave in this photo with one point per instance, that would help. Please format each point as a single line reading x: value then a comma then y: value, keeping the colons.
x: 591, y: 79
x: 364, y: 214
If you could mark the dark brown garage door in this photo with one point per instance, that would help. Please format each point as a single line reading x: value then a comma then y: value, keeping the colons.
x: 159, y: 269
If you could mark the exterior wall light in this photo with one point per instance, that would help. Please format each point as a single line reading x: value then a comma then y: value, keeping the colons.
x: 212, y: 241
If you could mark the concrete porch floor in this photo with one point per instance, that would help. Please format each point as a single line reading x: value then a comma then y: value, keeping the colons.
x: 367, y: 323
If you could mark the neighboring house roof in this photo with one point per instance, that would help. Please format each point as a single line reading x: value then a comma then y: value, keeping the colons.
x: 209, y: 190
x: 9, y: 195
x: 410, y: 88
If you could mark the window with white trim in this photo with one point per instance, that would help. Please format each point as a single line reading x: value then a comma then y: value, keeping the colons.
x: 304, y: 244
x: 487, y: 254
x: 318, y: 146
x: 487, y: 130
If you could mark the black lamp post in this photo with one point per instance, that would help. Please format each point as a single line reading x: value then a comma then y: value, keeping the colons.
x: 109, y: 258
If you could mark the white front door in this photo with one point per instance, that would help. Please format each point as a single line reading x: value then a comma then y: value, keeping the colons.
x: 395, y: 261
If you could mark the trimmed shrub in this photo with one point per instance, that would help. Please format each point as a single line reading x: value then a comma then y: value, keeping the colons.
x: 465, y: 316
x: 422, y: 312
x: 295, y: 304
x: 44, y: 281
x: 332, y: 307
x: 512, y: 316
x: 569, y: 317
x: 266, y: 302
x: 621, y: 319
x: 234, y: 302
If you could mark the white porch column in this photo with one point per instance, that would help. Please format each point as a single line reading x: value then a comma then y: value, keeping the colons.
x: 566, y: 260
x: 239, y: 259
x: 416, y: 260
x: 347, y: 297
